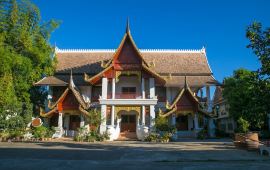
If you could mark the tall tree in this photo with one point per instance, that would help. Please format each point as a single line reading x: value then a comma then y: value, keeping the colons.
x: 25, y: 55
x: 248, y: 92
x: 260, y: 44
x: 242, y: 93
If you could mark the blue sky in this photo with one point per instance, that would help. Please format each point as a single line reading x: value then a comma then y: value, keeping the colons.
x: 184, y: 24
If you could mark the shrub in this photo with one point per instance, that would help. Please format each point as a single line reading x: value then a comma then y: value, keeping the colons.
x: 5, y: 134
x: 84, y: 136
x: 152, y: 137
x: 166, y: 137
x: 242, y: 125
x: 18, y: 133
x: 162, y: 124
x: 39, y: 132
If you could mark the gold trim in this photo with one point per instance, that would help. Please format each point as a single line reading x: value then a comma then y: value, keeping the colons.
x: 127, y: 73
x: 128, y: 109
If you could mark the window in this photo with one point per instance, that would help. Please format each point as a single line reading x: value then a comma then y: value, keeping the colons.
x: 128, y: 89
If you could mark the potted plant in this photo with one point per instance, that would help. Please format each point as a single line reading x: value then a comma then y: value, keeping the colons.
x: 242, y: 129
x: 244, y: 138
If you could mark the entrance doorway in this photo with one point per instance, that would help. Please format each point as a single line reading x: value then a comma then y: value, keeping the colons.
x: 74, y: 122
x: 128, y: 123
x: 182, y: 123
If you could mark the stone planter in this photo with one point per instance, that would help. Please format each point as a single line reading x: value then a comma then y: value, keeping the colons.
x: 249, y: 140
x: 252, y: 136
x: 240, y: 137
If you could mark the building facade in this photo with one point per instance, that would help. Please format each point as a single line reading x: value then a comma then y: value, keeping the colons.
x: 130, y: 87
x: 225, y: 122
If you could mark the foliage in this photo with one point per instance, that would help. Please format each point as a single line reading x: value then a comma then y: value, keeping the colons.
x: 94, y: 119
x: 42, y: 132
x: 152, y: 137
x: 26, y: 56
x: 166, y: 137
x: 83, y: 135
x: 162, y: 124
x: 242, y: 125
x: 247, y: 92
x: 4, y: 134
x: 158, y: 137
x: 243, y: 93
x: 260, y: 44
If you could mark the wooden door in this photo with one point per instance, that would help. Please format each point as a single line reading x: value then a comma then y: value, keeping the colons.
x: 74, y: 122
x: 128, y: 123
x: 182, y: 123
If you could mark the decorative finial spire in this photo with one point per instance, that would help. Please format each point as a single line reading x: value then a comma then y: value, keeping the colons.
x: 127, y: 26
x: 71, y: 83
x: 203, y: 49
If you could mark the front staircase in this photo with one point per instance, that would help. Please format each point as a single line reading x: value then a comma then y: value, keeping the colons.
x: 125, y: 136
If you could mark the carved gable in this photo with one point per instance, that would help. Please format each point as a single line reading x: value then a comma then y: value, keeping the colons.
x: 186, y: 102
x: 128, y: 57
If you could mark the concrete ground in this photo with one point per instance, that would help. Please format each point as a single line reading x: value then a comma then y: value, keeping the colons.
x: 185, y: 154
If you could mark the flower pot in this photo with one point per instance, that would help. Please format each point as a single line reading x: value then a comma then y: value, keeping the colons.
x: 253, y: 136
x: 239, y: 137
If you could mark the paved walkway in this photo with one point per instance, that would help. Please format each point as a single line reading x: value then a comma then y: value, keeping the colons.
x: 210, y: 154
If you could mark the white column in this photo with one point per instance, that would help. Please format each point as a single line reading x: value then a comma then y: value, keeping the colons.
x: 81, y: 120
x: 113, y: 88
x: 152, y: 87
x: 112, y: 115
x: 143, y: 115
x: 142, y: 87
x: 173, y: 119
x: 103, y: 118
x: 152, y: 116
x: 208, y: 98
x: 196, y: 122
x: 60, y: 120
x: 104, y: 87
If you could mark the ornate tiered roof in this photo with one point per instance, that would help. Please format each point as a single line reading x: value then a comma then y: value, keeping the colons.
x: 170, y: 65
x: 83, y: 106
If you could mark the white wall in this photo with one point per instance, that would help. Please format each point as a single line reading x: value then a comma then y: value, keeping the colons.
x: 124, y: 81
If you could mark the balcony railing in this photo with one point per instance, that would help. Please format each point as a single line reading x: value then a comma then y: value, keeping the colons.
x: 125, y: 96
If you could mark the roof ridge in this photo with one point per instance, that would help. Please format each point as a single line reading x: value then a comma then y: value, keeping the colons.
x: 57, y: 50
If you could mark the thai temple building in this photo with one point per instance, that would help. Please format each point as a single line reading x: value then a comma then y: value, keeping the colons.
x: 130, y: 87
